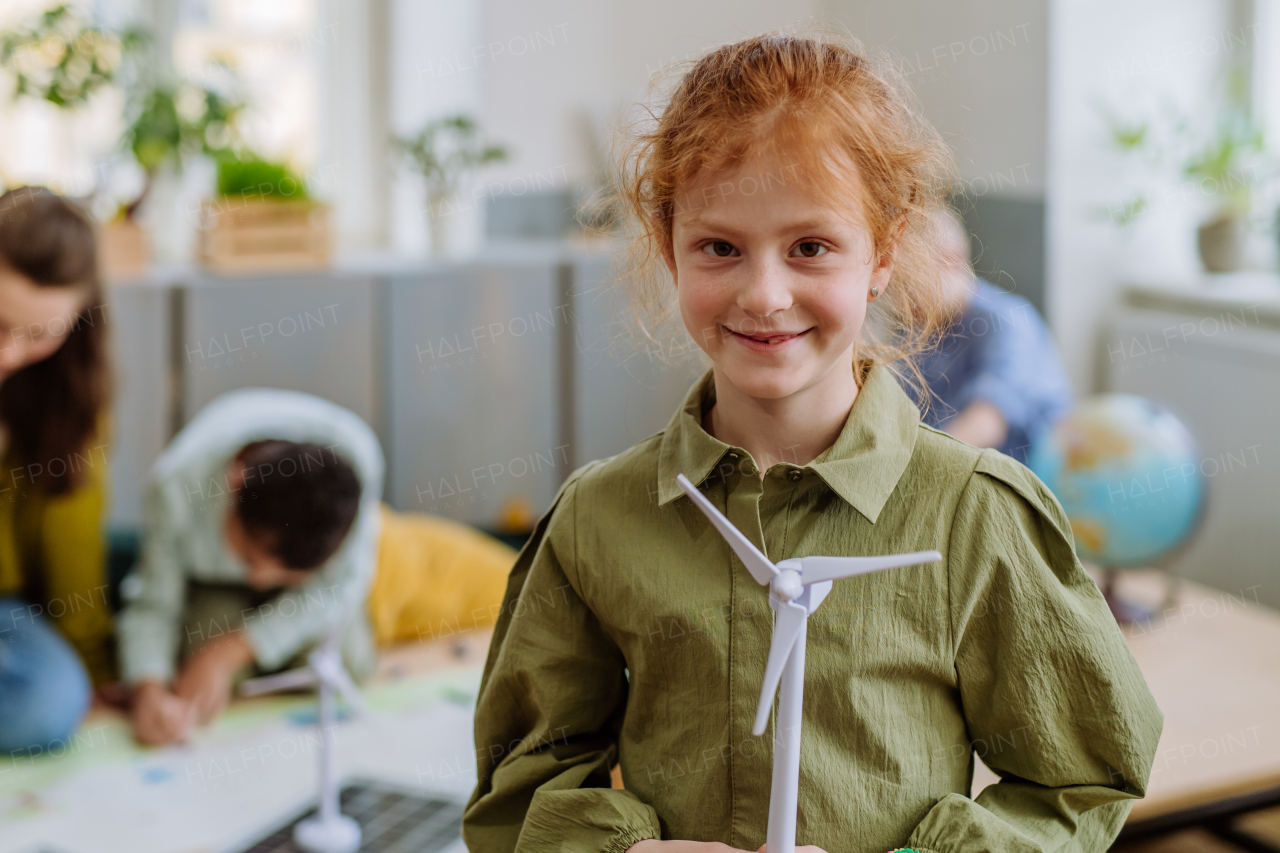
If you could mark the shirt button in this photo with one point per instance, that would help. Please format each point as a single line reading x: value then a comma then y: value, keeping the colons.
x: 732, y: 454
x: 795, y: 475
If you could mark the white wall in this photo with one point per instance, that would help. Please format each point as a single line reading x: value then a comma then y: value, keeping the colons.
x: 353, y: 113
x: 979, y: 72
x: 593, y: 60
x: 543, y: 76
x: 434, y: 73
x: 1133, y: 55
x: 979, y: 69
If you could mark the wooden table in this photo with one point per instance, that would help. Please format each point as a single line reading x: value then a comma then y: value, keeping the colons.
x: 1212, y: 661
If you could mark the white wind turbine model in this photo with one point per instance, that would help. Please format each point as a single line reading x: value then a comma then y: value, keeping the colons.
x: 329, y: 831
x: 796, y: 588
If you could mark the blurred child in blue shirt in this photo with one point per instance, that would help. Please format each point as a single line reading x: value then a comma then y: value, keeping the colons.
x: 995, y: 376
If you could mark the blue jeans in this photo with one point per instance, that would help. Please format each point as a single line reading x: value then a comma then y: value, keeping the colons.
x: 44, y: 689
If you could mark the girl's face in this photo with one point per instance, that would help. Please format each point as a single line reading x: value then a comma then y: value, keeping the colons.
x: 34, y: 320
x: 772, y: 285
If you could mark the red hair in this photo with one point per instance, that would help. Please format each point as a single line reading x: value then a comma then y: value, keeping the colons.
x: 851, y: 128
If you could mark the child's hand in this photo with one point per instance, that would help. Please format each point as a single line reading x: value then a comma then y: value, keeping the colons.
x: 158, y: 716
x: 113, y: 695
x: 205, y: 680
x: 652, y: 846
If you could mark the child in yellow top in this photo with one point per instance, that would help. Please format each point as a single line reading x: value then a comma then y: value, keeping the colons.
x: 787, y: 189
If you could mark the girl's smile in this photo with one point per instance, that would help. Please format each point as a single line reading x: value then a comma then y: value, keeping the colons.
x: 773, y: 285
x: 771, y: 343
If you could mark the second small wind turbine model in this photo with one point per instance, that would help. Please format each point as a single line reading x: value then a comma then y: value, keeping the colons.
x: 796, y: 588
x: 329, y: 831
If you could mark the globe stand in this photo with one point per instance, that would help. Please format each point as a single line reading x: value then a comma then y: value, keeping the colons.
x: 1131, y: 612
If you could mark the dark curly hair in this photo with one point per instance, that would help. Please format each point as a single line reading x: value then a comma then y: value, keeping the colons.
x: 299, y: 500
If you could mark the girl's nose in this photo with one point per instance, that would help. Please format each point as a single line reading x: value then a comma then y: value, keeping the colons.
x: 765, y: 290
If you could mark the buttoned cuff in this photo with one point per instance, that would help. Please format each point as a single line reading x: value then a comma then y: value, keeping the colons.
x: 586, y: 820
x: 956, y: 824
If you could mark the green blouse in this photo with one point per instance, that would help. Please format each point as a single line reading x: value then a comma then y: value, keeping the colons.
x: 631, y: 634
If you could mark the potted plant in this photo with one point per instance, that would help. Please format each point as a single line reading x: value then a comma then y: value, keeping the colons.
x: 1217, y: 156
x: 262, y: 219
x: 444, y: 151
x: 61, y: 58
x: 168, y: 125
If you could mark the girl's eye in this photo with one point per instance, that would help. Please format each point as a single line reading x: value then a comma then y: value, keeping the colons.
x: 720, y: 249
x: 811, y: 249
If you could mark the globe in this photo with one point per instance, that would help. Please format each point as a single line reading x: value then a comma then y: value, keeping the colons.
x: 1127, y: 473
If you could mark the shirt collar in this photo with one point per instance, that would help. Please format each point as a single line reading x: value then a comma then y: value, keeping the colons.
x: 863, y: 466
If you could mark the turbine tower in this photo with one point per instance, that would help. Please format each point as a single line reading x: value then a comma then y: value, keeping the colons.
x: 329, y: 830
x: 796, y: 588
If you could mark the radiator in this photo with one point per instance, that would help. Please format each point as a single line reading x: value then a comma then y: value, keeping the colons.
x: 1211, y: 354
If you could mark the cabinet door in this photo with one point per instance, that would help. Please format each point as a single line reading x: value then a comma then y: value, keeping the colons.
x: 304, y: 333
x: 472, y: 360
x: 137, y: 318
x: 626, y: 386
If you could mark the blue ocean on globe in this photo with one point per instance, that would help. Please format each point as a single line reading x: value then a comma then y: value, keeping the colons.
x: 1126, y: 471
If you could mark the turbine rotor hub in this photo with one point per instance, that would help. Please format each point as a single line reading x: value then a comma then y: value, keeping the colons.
x: 787, y: 586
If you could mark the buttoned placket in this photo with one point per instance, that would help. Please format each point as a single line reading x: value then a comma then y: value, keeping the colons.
x: 761, y: 509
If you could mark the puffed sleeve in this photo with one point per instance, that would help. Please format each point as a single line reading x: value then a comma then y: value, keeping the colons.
x: 147, y: 629
x: 550, y: 708
x: 74, y: 552
x: 1053, y: 699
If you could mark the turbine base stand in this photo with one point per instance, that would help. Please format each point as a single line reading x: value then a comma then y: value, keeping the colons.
x: 338, y: 834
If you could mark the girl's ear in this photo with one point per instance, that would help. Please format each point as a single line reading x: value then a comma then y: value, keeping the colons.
x: 884, y: 264
x: 669, y: 255
x: 662, y: 230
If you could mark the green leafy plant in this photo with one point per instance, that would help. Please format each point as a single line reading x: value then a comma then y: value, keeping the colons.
x: 1217, y: 154
x: 447, y: 148
x: 172, y: 123
x: 61, y: 58
x: 252, y: 176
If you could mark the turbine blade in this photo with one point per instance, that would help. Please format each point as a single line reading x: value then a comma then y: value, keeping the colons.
x: 758, y: 564
x: 786, y: 628
x: 350, y: 692
x: 294, y: 678
x: 331, y: 670
x: 815, y: 569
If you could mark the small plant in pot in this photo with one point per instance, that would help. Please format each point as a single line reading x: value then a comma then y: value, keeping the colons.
x: 444, y: 151
x: 61, y: 57
x: 168, y: 126
x: 1214, y: 158
x: 171, y: 124
x: 1225, y: 164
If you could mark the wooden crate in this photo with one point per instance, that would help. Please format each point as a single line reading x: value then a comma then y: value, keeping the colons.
x: 239, y: 236
x: 122, y: 250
